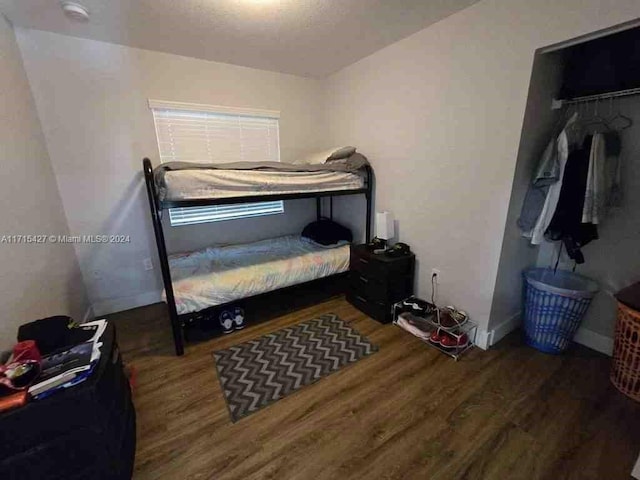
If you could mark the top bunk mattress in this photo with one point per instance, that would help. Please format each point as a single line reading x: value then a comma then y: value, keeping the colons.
x: 219, y: 275
x: 193, y: 181
x: 205, y: 184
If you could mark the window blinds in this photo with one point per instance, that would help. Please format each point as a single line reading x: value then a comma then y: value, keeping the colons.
x: 205, y: 137
x: 217, y: 213
x: 208, y: 136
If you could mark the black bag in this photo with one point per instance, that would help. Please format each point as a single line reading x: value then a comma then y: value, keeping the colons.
x: 53, y: 333
x: 327, y: 232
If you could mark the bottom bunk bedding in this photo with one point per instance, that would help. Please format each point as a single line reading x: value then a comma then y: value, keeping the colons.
x: 219, y: 275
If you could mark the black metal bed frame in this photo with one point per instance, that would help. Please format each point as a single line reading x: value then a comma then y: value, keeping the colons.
x: 157, y: 206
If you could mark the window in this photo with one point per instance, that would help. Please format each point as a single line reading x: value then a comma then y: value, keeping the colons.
x: 210, y: 134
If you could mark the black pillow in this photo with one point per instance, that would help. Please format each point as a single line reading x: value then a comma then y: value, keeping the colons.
x: 327, y: 232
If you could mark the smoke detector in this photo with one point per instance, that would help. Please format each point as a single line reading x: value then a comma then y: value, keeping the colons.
x: 75, y: 11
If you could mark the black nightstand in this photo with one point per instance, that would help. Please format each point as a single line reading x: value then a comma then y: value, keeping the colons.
x: 377, y: 281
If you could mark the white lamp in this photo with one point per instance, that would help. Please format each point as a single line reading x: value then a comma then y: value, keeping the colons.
x: 384, y: 226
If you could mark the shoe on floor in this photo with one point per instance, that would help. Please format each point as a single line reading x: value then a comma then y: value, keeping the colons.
x: 413, y: 328
x: 238, y: 318
x: 226, y: 321
x: 436, y: 337
x: 418, y: 306
x: 451, y: 317
x: 449, y: 341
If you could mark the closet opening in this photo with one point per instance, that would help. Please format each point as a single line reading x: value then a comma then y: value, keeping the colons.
x: 591, y: 89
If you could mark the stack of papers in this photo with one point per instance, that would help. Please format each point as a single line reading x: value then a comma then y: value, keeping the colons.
x: 72, y: 365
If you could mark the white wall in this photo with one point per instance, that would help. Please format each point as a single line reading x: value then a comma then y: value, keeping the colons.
x: 440, y: 114
x: 36, y: 280
x: 92, y: 100
x: 613, y: 260
x: 517, y: 253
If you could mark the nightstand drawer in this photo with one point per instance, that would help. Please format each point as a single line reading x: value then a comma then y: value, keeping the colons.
x: 376, y: 310
x: 379, y: 266
x: 366, y: 266
x: 385, y: 290
x: 366, y: 286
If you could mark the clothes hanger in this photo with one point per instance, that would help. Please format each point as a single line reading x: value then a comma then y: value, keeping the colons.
x: 596, y: 120
x: 564, y: 118
x: 619, y: 116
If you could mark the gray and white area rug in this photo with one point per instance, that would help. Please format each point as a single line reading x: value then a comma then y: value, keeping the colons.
x: 257, y: 373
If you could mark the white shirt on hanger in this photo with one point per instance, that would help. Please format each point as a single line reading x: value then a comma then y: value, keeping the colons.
x: 551, y: 202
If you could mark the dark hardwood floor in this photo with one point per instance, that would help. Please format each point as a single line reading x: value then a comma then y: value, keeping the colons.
x: 406, y: 412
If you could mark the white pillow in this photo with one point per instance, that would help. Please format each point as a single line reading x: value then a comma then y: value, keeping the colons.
x: 317, y: 157
x: 342, y: 152
x: 322, y: 157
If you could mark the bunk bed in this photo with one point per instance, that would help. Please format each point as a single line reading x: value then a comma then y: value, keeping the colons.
x: 179, y: 184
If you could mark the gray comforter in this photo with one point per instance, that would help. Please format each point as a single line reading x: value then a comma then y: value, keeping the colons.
x: 352, y: 163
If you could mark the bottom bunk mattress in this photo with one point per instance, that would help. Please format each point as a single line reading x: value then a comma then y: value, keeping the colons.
x: 218, y: 275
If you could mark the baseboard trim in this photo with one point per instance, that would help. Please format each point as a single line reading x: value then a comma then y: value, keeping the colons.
x: 503, y: 329
x: 113, y: 305
x: 482, y: 339
x: 594, y: 340
x: 485, y: 339
x: 588, y: 338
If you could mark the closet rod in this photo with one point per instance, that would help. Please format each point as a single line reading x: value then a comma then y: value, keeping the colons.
x: 558, y: 104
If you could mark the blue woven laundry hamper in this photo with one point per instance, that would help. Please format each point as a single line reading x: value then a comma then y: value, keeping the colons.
x: 554, y: 305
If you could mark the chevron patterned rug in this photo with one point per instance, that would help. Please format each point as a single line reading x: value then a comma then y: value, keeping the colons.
x: 259, y: 372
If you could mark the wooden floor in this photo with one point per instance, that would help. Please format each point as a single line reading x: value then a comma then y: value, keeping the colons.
x: 406, y: 412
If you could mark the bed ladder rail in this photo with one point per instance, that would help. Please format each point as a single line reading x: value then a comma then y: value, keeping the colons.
x: 156, y: 219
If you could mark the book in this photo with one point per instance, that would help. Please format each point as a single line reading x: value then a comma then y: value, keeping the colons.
x: 72, y: 365
x: 65, y: 364
x: 37, y: 389
x: 66, y: 383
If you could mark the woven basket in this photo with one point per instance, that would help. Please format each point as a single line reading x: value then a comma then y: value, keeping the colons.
x: 625, y: 369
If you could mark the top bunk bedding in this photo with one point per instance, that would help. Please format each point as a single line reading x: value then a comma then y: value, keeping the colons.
x: 192, y: 181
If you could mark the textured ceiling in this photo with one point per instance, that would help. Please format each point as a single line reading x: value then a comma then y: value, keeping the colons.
x: 304, y: 37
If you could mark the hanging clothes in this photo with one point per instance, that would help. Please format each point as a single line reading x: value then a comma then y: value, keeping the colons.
x: 595, y: 198
x: 542, y: 196
x: 547, y: 173
x: 615, y: 194
x: 575, y: 183
x: 566, y: 224
x: 603, y: 180
x: 613, y: 149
